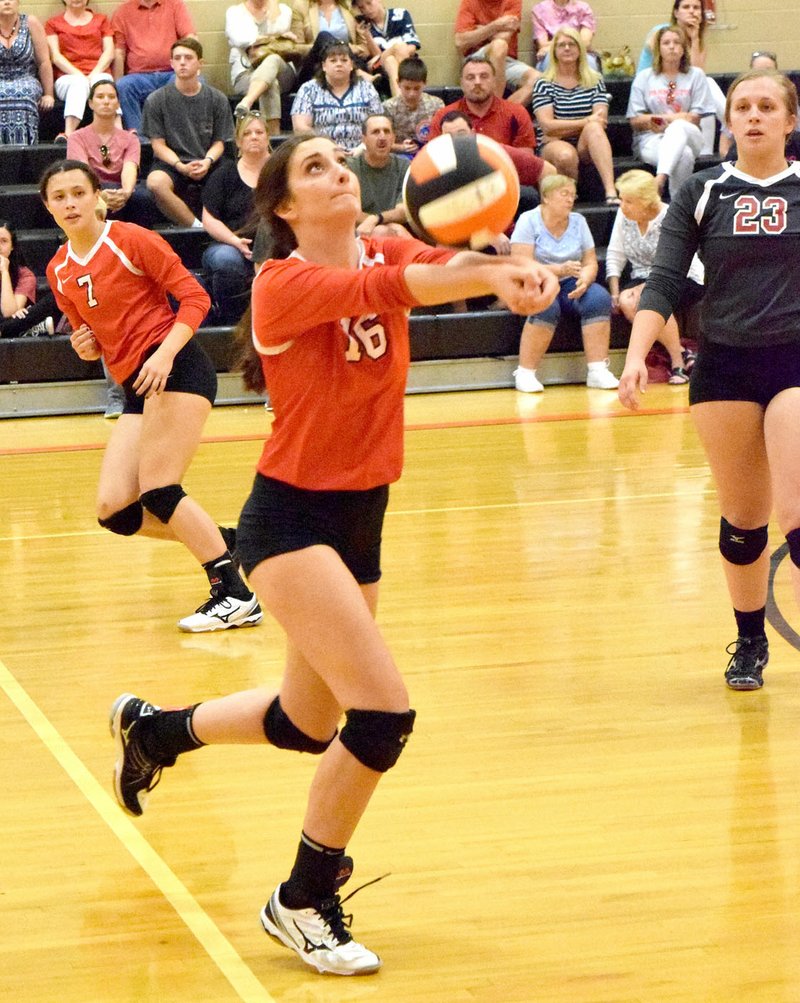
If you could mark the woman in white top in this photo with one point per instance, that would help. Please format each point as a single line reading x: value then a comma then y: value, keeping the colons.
x: 633, y: 241
x: 665, y: 107
x: 249, y: 25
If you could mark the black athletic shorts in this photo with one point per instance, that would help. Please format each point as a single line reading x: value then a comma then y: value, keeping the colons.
x: 725, y: 373
x: 278, y: 518
x: 192, y: 373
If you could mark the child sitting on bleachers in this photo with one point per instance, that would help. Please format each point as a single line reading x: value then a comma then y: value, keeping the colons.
x: 412, y: 109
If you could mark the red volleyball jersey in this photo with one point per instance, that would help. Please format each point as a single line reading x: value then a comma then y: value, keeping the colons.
x: 335, y: 353
x: 119, y: 289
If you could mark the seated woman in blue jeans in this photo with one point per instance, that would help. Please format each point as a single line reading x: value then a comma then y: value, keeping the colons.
x: 229, y: 219
x: 559, y: 238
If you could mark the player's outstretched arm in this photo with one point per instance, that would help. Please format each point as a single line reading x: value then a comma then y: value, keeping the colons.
x: 525, y: 286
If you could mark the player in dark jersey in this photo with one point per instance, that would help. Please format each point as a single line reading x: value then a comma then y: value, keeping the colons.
x: 744, y: 219
x: 112, y: 281
x: 330, y: 327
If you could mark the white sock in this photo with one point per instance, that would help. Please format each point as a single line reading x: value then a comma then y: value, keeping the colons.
x: 596, y: 366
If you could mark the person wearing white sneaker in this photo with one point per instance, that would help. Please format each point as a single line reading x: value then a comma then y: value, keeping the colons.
x: 329, y: 326
x: 560, y: 239
x: 112, y: 280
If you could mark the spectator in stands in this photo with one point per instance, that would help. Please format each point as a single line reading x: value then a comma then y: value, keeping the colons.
x: 551, y: 15
x: 489, y: 29
x: 326, y: 21
x: 114, y: 154
x: 380, y: 176
x: 20, y: 315
x: 81, y: 50
x: 690, y: 15
x: 336, y: 102
x: 144, y: 31
x: 412, y: 110
x: 26, y: 76
x: 559, y: 238
x: 759, y: 60
x: 188, y: 122
x: 505, y: 121
x: 389, y: 37
x: 633, y: 241
x: 570, y: 104
x: 665, y: 107
x: 530, y: 168
x: 229, y: 220
x: 264, y: 36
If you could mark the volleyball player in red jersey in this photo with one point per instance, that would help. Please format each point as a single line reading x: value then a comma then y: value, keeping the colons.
x: 330, y: 327
x: 744, y: 392
x: 112, y: 279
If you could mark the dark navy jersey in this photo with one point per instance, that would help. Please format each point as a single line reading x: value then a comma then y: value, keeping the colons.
x: 747, y: 233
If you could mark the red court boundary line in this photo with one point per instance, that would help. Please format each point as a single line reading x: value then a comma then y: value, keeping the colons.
x: 422, y: 427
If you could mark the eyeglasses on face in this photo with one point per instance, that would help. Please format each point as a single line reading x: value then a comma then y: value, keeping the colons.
x: 105, y: 155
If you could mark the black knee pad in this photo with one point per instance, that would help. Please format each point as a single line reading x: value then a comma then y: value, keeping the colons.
x: 741, y: 546
x: 793, y: 539
x: 126, y: 522
x: 283, y: 734
x: 376, y: 737
x: 162, y: 502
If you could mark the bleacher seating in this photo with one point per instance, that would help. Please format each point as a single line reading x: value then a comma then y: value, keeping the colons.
x: 434, y: 336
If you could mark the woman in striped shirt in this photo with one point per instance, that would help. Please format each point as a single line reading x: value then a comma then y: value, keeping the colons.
x: 570, y: 104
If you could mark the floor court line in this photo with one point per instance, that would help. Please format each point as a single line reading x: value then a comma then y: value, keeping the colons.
x: 199, y: 923
x: 88, y: 447
x: 394, y: 513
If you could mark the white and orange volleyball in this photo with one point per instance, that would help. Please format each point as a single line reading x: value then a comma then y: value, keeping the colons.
x: 461, y: 191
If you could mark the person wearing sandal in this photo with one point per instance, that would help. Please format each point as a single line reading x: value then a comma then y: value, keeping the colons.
x: 633, y: 241
x: 570, y: 106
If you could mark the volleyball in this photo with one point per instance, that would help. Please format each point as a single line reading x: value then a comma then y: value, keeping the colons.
x: 461, y: 191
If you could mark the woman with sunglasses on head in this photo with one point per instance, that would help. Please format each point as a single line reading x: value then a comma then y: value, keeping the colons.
x: 329, y: 336
x: 570, y: 106
x: 690, y: 15
x: 743, y: 219
x: 114, y: 281
x: 114, y: 155
x: 665, y: 106
x: 229, y: 219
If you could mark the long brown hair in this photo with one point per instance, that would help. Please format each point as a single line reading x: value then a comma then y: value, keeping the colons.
x: 701, y: 28
x: 271, y: 192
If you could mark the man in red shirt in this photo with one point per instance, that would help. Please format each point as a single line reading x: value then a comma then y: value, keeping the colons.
x: 144, y: 31
x: 505, y: 121
x: 489, y: 28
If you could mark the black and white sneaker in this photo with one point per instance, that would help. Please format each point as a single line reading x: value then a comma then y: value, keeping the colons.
x: 749, y: 656
x: 135, y: 773
x: 220, y: 612
x: 320, y: 935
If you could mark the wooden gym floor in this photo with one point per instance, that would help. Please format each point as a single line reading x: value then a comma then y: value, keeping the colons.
x: 584, y: 813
